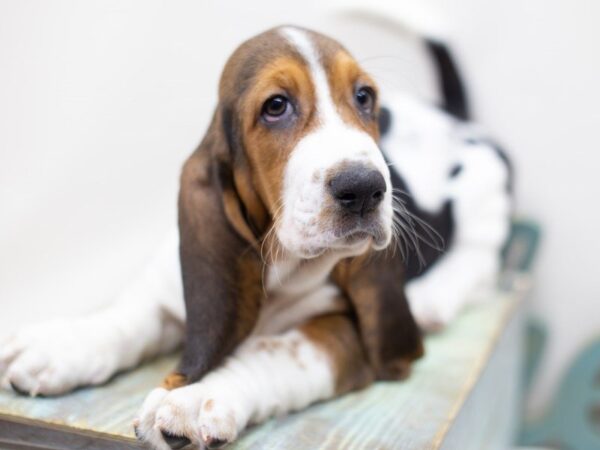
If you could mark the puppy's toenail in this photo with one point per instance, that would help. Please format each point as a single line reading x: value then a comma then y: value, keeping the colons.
x: 17, y: 389
x: 213, y: 443
x: 174, y: 441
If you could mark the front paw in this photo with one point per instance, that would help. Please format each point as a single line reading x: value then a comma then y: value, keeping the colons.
x: 187, y: 417
x: 397, y: 369
x: 52, y: 358
x: 432, y: 308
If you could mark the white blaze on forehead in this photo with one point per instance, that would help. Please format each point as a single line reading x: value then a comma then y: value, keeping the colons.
x: 302, y: 230
x: 302, y: 42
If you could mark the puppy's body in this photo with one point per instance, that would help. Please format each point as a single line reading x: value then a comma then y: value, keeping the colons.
x: 277, y: 281
x: 459, y: 182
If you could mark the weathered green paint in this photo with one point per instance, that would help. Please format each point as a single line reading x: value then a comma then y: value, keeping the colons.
x: 573, y: 420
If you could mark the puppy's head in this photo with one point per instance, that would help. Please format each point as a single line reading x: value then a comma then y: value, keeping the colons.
x: 301, y: 116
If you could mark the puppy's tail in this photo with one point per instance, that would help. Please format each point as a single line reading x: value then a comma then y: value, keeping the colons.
x: 451, y: 85
x: 426, y: 25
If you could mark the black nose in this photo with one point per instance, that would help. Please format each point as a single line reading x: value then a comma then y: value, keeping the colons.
x: 358, y: 189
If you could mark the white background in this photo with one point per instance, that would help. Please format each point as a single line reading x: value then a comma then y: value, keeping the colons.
x: 101, y: 101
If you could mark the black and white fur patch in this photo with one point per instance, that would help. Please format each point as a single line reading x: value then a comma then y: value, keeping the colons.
x: 456, y: 183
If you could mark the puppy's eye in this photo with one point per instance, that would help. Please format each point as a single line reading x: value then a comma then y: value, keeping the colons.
x: 365, y: 99
x: 276, y: 108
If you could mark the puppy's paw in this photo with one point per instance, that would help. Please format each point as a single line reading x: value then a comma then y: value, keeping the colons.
x: 149, y: 431
x: 397, y: 369
x: 187, y: 417
x: 432, y: 309
x: 218, y: 423
x: 53, y: 358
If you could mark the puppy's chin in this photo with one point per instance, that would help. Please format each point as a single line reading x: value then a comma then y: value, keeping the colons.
x: 376, y: 235
x: 352, y: 244
x: 342, y: 250
x: 382, y: 241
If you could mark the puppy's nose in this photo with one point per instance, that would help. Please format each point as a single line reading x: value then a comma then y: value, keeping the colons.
x: 358, y: 189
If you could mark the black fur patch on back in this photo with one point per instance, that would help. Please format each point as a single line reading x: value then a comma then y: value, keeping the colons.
x: 442, y: 222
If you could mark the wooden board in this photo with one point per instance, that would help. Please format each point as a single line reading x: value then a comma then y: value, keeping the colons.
x: 416, y: 414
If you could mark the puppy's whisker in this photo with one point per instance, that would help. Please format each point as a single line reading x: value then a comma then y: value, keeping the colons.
x: 396, y: 242
x: 433, y: 238
x: 410, y: 236
x: 410, y: 224
x: 269, y: 239
x: 401, y: 192
x: 436, y: 241
x: 411, y: 239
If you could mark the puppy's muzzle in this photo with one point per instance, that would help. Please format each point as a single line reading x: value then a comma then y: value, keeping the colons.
x: 358, y: 189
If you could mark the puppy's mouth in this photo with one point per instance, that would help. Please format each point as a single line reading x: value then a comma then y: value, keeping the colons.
x: 338, y: 232
x: 357, y: 233
x: 357, y: 236
x: 351, y: 243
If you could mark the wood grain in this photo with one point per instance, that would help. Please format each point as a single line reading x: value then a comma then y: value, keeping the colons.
x: 416, y: 414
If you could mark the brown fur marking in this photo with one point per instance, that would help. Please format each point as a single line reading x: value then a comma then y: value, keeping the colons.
x: 374, y: 283
x: 174, y: 381
x: 336, y: 334
x: 208, y: 406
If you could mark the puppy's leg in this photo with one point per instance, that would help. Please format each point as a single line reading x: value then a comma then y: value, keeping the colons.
x: 145, y: 320
x: 438, y: 296
x: 266, y: 376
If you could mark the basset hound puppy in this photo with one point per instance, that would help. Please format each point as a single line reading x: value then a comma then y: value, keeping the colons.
x: 286, y: 279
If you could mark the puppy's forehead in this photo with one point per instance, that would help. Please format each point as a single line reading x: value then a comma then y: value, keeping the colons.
x: 317, y: 50
x: 311, y: 49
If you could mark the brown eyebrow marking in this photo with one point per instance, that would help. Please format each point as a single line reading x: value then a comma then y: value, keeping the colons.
x: 268, y: 150
x: 344, y: 75
x: 285, y: 73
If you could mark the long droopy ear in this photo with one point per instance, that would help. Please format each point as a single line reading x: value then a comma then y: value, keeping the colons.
x: 220, y: 264
x: 374, y: 284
